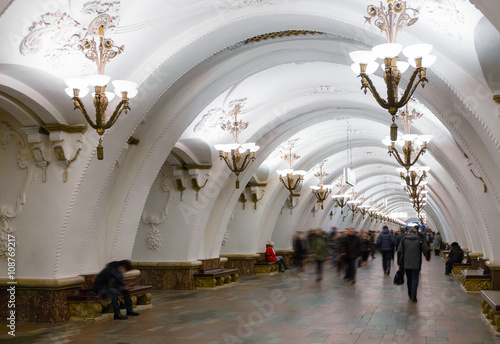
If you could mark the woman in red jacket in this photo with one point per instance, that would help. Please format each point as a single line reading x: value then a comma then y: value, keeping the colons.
x: 272, y: 257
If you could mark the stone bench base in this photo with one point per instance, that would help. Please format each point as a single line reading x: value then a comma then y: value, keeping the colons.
x: 490, y: 305
x: 215, y: 278
x: 458, y: 267
x: 475, y: 280
x: 88, y: 306
x: 266, y: 267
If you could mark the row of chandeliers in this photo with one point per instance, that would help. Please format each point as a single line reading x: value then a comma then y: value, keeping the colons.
x: 391, y: 20
x: 238, y: 156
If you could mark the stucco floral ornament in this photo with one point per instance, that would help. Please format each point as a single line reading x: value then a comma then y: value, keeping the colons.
x: 6, y: 213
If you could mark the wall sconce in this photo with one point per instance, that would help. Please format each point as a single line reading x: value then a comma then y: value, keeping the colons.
x: 100, y: 53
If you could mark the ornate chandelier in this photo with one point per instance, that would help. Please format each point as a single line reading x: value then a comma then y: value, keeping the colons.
x: 100, y: 53
x: 414, y: 180
x: 236, y: 156
x: 290, y: 178
x: 413, y: 145
x: 341, y: 198
x: 391, y: 20
x: 322, y: 191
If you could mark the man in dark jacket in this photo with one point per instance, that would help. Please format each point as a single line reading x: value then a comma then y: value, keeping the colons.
x: 385, y: 242
x: 110, y: 282
x: 410, y: 252
x: 351, y: 250
x: 456, y: 255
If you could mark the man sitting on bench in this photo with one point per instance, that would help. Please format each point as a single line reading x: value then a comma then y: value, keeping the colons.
x: 456, y: 255
x: 110, y: 282
x: 271, y: 256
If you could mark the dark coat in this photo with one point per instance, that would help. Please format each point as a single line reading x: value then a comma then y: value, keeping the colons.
x: 410, y: 252
x: 351, y: 246
x: 109, y: 277
x: 365, y: 244
x: 399, y: 237
x: 299, y: 248
x: 456, y: 254
x: 386, y: 240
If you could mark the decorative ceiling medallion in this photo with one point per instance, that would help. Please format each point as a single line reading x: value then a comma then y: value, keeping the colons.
x: 282, y: 148
x: 57, y: 35
x: 239, y: 4
x: 441, y: 16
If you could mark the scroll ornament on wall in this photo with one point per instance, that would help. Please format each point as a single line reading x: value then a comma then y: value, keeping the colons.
x: 155, y: 237
x: 25, y: 161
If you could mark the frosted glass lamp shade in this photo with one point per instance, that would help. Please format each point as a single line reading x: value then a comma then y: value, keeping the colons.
x: 363, y: 56
x: 402, y: 66
x: 386, y: 142
x: 83, y: 92
x: 299, y: 173
x: 125, y: 86
x: 417, y: 50
x: 371, y: 67
x: 427, y: 61
x: 284, y: 172
x: 227, y: 148
x: 97, y: 80
x: 425, y: 168
x: 77, y: 83
x: 109, y: 95
x: 409, y: 137
x: 387, y: 50
x: 252, y: 147
x: 425, y: 138
x: 130, y: 94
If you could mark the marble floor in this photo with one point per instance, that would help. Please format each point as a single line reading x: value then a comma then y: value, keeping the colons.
x: 293, y: 308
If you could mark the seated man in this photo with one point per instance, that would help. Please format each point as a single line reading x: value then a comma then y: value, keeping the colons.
x: 456, y: 255
x: 110, y: 282
x: 271, y: 256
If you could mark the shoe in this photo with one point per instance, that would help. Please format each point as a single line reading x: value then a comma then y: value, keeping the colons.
x: 133, y: 313
x: 414, y: 299
x: 446, y: 273
x: 120, y: 317
x: 353, y: 282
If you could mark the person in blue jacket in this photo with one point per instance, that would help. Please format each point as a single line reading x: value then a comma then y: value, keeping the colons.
x: 385, y: 242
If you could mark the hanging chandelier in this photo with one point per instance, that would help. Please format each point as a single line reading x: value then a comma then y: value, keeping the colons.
x: 290, y: 178
x: 236, y: 156
x: 321, y: 191
x: 414, y: 180
x: 100, y: 53
x: 342, y: 198
x: 413, y: 146
x: 391, y: 20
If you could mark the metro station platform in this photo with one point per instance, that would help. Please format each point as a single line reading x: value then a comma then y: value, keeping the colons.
x: 293, y: 308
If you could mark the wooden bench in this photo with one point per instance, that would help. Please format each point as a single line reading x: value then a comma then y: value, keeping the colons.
x: 86, y: 305
x: 490, y: 305
x: 444, y: 254
x: 476, y: 280
x: 263, y: 266
x: 212, y: 274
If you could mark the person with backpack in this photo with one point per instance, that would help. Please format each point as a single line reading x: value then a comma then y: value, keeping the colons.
x: 410, y: 252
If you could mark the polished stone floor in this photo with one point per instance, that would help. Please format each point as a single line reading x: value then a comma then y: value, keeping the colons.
x: 293, y: 308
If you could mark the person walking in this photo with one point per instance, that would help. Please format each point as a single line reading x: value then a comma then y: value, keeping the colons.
x: 320, y: 250
x: 365, y: 247
x: 436, y: 243
x: 410, y: 252
x: 385, y: 242
x: 351, y: 250
x: 299, y: 249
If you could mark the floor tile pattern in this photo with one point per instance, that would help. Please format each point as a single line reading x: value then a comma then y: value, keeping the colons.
x: 293, y: 308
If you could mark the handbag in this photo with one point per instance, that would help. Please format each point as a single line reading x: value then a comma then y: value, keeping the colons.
x: 399, y: 277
